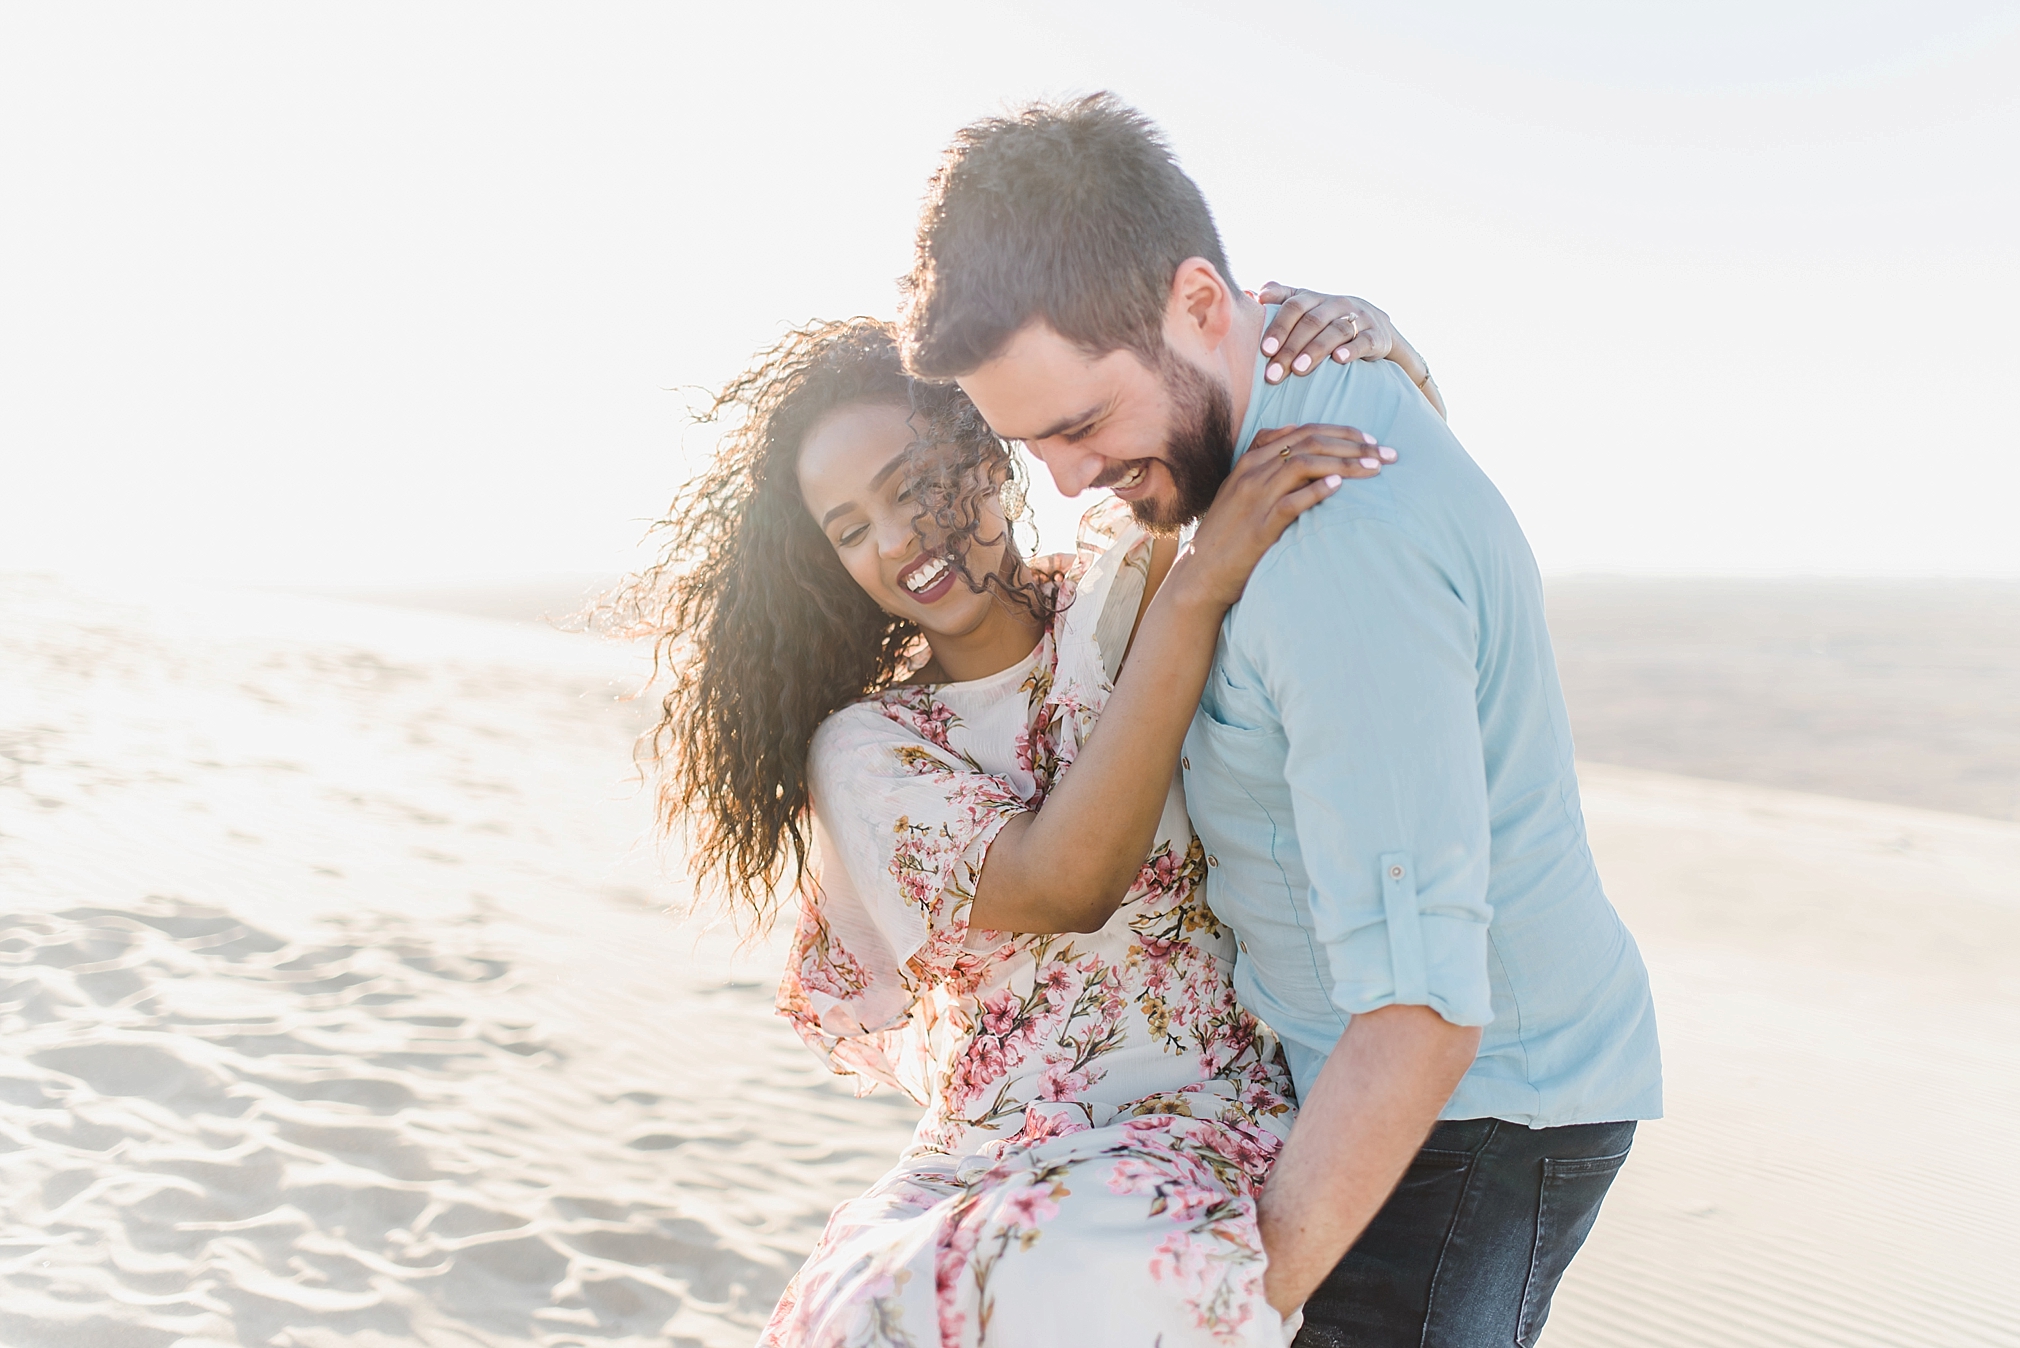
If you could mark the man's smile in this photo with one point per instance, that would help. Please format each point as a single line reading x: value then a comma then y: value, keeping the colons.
x: 1126, y: 480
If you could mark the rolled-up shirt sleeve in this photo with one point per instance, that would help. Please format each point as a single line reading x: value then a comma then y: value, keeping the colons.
x: 1367, y: 650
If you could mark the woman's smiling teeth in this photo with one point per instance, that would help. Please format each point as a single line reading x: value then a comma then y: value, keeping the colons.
x: 924, y: 577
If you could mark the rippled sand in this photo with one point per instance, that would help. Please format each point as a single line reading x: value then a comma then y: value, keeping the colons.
x: 339, y: 1005
x: 1840, y: 1011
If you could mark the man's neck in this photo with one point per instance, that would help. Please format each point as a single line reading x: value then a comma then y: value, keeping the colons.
x: 1238, y: 351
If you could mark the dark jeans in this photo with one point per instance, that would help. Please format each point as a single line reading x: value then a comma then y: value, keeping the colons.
x: 1467, y: 1251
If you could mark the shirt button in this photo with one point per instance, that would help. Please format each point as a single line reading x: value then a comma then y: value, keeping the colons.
x: 1243, y: 945
x: 1212, y: 860
x: 1395, y: 872
x: 1185, y: 763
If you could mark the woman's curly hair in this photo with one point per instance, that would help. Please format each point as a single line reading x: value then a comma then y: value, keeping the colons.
x: 763, y: 632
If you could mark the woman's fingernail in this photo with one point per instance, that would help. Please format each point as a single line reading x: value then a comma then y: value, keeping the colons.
x: 1270, y: 345
x: 1388, y: 455
x: 1332, y: 479
x: 1367, y: 439
x: 1342, y: 355
x: 1371, y: 463
x: 1302, y: 363
x: 1274, y: 372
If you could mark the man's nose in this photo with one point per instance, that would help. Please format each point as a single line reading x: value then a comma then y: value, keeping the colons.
x: 1073, y: 470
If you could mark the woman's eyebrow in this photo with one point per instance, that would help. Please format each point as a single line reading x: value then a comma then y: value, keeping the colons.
x: 883, y: 476
x: 884, y: 473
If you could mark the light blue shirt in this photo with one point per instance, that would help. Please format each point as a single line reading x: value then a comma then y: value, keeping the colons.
x: 1381, y: 772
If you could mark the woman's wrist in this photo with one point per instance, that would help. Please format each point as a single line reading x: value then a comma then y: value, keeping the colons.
x: 1413, y: 363
x: 1192, y: 592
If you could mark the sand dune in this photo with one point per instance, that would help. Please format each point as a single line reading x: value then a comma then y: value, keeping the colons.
x: 340, y: 1006
x: 1840, y: 1011
x: 1902, y: 691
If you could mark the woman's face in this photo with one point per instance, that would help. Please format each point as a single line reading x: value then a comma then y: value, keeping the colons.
x: 852, y: 479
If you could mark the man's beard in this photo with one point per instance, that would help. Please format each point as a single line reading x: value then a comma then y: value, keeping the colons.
x: 1198, y: 451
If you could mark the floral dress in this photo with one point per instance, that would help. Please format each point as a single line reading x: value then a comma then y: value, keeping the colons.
x: 1099, y: 1112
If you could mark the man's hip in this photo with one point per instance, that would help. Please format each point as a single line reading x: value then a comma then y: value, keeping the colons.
x: 1469, y: 1249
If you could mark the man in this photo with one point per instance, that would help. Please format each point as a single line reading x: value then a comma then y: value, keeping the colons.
x: 1381, y: 768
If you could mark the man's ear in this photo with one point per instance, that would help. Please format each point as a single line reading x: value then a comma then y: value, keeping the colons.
x: 1201, y: 309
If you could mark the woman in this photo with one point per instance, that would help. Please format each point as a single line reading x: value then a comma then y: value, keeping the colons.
x: 875, y: 695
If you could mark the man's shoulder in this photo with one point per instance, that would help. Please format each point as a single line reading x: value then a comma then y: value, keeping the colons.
x: 1359, y: 546
x: 1369, y: 549
x: 1335, y: 393
x: 1434, y: 496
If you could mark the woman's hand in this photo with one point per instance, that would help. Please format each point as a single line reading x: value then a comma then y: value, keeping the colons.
x: 1285, y: 472
x: 1312, y: 326
x: 1068, y: 866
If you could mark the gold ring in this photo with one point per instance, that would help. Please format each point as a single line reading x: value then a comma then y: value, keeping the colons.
x: 1284, y: 453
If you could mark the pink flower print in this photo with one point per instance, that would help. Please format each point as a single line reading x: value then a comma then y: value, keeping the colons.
x: 1213, y: 1279
x: 999, y: 1013
x: 1037, y: 749
x: 952, y: 1318
x: 965, y: 971
x: 1042, y: 1125
x: 1252, y: 1154
x: 981, y: 1064
x: 923, y: 714
x: 826, y: 966
x: 986, y: 1060
x: 1180, y: 1259
x: 1143, y: 1129
x: 1135, y: 1175
x: 1060, y: 1084
x: 1022, y: 742
x: 1160, y: 874
x: 950, y: 1262
x: 1057, y: 981
x: 1030, y: 1207
x: 1188, y: 1203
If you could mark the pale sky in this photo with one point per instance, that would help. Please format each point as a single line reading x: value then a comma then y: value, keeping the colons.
x: 371, y: 293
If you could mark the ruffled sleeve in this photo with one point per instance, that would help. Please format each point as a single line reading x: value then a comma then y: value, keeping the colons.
x: 901, y: 827
x: 1105, y: 591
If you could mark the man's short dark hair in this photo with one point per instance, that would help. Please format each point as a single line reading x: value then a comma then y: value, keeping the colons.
x: 1075, y: 213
